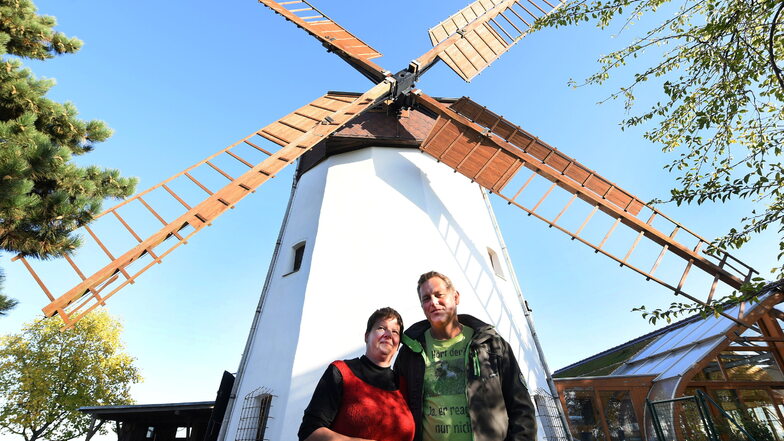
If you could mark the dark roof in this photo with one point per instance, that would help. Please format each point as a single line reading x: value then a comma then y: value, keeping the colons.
x: 375, y: 128
x: 168, y: 412
x: 129, y: 408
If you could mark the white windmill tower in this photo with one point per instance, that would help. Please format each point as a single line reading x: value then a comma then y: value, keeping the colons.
x: 369, y: 212
x: 347, y: 249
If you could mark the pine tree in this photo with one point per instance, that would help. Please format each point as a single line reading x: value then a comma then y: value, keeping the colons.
x: 6, y: 304
x: 44, y: 197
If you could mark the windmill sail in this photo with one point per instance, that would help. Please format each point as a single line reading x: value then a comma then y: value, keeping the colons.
x: 474, y: 37
x: 491, y: 151
x: 295, y: 134
x: 466, y: 136
x: 336, y: 38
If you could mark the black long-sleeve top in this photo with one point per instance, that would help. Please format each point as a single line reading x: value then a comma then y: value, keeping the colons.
x: 325, y: 403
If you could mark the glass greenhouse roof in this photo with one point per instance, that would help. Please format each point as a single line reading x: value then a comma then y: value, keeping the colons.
x: 674, y: 352
x: 667, y: 352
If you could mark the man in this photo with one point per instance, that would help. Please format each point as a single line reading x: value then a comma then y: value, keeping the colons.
x: 462, y: 378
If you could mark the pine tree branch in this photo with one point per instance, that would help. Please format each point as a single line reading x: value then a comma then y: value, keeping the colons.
x: 6, y: 304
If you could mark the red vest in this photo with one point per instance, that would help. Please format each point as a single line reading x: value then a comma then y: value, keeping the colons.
x: 371, y: 413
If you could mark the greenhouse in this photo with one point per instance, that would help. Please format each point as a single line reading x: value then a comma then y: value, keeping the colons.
x: 697, y: 379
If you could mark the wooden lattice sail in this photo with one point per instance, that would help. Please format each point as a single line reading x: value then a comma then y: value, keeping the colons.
x: 490, y: 150
x: 333, y: 36
x: 474, y: 37
x: 294, y: 134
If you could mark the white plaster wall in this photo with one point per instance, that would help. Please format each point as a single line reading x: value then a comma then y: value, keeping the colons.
x: 373, y: 221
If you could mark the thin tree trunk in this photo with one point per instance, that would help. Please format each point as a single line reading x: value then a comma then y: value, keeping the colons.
x: 94, y: 428
x: 771, y: 41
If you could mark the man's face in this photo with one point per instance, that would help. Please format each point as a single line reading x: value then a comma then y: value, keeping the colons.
x: 439, y: 303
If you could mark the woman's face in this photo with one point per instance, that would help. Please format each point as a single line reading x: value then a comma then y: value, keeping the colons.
x: 382, y: 341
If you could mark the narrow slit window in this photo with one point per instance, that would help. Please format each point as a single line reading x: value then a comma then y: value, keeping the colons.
x: 299, y: 253
x: 255, y: 416
x: 265, y: 402
x: 495, y: 262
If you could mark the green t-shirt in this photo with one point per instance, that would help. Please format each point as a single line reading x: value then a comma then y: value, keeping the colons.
x: 445, y: 406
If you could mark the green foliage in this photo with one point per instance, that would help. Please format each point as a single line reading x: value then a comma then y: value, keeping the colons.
x: 27, y: 34
x: 43, y: 195
x: 6, y: 304
x: 749, y: 292
x: 46, y: 375
x: 759, y: 430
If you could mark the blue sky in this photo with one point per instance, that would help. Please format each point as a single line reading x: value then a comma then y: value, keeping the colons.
x: 178, y: 81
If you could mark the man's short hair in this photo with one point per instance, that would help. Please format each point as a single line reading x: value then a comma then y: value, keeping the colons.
x: 429, y: 275
x: 383, y: 314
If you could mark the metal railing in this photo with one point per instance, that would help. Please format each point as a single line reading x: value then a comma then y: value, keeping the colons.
x: 691, y: 418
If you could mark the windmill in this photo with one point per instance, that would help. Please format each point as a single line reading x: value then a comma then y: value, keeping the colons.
x: 463, y: 136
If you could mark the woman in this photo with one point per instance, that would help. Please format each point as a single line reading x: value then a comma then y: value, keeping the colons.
x: 360, y: 399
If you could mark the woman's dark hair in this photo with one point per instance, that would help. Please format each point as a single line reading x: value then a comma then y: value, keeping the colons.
x: 383, y: 314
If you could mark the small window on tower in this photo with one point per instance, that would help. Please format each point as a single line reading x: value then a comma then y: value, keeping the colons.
x: 495, y: 262
x: 183, y: 433
x: 299, y: 253
x: 255, y: 416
